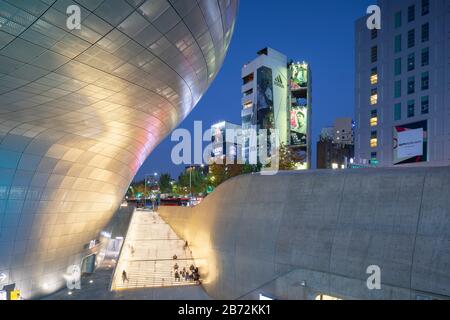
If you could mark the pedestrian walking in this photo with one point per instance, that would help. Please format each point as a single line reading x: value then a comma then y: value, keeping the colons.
x: 125, y: 277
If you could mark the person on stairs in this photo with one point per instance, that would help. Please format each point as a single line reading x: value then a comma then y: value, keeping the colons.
x: 125, y: 277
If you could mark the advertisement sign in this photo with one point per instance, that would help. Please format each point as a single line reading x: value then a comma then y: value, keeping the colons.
x: 299, y: 76
x: 265, y: 109
x: 299, y: 124
x: 410, y: 143
x: 299, y: 104
x: 265, y: 114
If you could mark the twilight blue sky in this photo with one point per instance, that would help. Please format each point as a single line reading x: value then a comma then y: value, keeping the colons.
x: 320, y: 32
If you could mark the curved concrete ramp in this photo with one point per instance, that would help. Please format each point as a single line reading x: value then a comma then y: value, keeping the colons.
x: 300, y: 235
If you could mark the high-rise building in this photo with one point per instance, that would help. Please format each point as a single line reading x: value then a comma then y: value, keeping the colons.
x: 402, y: 93
x: 277, y: 95
x: 335, y: 147
x: 343, y: 131
x: 225, y: 140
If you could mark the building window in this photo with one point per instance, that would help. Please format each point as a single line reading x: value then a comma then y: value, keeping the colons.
x: 425, y: 57
x: 425, y: 32
x: 411, y: 62
x: 373, y: 139
x: 411, y: 108
x: 398, y: 89
x: 411, y: 38
x: 425, y: 7
x: 248, y: 78
x: 374, y: 76
x: 374, y: 54
x: 425, y: 80
x: 411, y: 85
x: 411, y: 13
x: 398, y: 19
x: 398, y: 112
x: 373, y: 158
x: 373, y: 118
x: 374, y: 34
x: 398, y: 43
x: 398, y: 66
x: 425, y: 107
x: 374, y: 96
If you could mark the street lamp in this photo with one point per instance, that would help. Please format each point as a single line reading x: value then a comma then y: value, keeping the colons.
x: 146, y: 181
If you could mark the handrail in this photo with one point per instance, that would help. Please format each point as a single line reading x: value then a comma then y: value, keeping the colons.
x: 111, y: 283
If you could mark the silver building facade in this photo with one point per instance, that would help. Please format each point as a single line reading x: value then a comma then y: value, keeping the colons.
x: 402, y: 95
x: 80, y: 111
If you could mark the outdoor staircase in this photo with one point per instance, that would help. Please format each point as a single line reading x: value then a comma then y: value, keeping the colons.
x: 147, y: 255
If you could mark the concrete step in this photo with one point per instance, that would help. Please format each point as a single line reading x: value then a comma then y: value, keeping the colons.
x: 147, y: 255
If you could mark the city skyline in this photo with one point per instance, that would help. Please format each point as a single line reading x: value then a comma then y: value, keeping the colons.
x: 329, y: 50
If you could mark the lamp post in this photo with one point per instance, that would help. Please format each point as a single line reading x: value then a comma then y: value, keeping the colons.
x: 145, y: 186
x: 190, y: 184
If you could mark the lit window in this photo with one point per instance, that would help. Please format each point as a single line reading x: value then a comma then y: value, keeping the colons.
x: 373, y: 139
x: 374, y: 143
x: 374, y: 76
x: 373, y: 122
x: 374, y: 96
x: 373, y: 118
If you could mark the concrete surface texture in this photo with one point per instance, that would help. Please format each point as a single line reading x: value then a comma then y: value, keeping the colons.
x: 300, y: 235
x: 81, y: 110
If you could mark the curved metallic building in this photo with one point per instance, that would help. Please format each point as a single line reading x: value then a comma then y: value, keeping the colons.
x: 80, y: 111
x: 313, y: 234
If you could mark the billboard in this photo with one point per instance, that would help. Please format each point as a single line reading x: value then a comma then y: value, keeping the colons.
x: 299, y: 76
x: 299, y: 122
x: 299, y: 104
x: 264, y: 104
x: 410, y: 143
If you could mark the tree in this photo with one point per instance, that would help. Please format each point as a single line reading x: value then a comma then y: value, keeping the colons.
x: 165, y: 183
x: 286, y: 161
x: 192, y: 178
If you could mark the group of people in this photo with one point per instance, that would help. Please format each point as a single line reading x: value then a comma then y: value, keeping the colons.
x: 191, y: 274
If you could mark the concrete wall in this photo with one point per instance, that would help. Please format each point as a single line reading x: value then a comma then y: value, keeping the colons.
x: 293, y: 236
